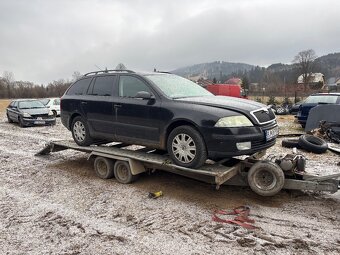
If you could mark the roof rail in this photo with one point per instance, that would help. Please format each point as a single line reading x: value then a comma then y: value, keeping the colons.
x: 108, y: 71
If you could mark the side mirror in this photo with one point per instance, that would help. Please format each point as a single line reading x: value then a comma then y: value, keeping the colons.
x: 144, y: 95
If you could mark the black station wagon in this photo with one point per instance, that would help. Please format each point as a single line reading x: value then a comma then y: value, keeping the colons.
x: 165, y: 111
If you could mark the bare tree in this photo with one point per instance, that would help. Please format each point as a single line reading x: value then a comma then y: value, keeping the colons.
x: 305, y: 62
x: 9, y: 80
x: 76, y: 75
x: 120, y: 66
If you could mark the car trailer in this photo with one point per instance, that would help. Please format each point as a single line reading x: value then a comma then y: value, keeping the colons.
x: 265, y: 177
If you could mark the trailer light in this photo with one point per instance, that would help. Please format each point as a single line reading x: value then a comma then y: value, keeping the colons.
x: 243, y: 146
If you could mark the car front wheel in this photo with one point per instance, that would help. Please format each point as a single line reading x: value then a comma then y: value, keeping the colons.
x: 80, y: 132
x: 186, y: 147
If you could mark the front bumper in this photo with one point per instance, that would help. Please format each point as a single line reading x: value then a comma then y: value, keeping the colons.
x: 222, y: 142
x: 38, y: 122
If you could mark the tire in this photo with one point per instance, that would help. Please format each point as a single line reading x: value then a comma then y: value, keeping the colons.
x: 290, y: 143
x: 54, y: 113
x: 186, y: 147
x: 9, y: 119
x: 103, y: 167
x: 122, y: 172
x: 266, y: 178
x: 280, y: 111
x: 313, y: 144
x: 80, y: 132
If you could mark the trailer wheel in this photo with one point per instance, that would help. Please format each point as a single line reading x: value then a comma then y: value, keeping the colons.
x: 266, y: 178
x: 103, y: 167
x: 122, y: 172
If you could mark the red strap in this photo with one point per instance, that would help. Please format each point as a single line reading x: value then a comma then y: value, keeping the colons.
x: 242, y: 218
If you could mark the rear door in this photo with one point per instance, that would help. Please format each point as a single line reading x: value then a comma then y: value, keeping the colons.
x: 137, y: 120
x: 98, y: 106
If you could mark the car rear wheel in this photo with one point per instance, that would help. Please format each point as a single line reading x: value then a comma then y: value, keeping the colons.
x: 80, y: 132
x: 186, y: 147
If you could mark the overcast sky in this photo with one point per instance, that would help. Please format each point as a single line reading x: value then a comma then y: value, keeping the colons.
x: 45, y: 40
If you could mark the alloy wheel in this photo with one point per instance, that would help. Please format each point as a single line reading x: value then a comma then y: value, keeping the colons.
x: 79, y: 131
x: 184, y: 148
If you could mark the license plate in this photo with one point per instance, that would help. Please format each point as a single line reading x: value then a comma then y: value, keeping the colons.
x: 272, y: 133
x: 39, y: 122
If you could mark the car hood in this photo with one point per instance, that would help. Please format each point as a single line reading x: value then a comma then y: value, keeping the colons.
x: 225, y: 102
x: 36, y: 111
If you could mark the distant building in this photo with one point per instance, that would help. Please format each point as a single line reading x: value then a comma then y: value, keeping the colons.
x: 313, y: 78
x: 234, y: 80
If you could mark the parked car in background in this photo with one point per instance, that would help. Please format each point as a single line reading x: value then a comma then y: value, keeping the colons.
x: 53, y: 104
x: 29, y: 112
x: 295, y: 108
x: 165, y: 111
x: 314, y: 100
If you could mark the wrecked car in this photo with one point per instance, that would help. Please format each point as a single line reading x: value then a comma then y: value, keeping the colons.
x: 165, y: 111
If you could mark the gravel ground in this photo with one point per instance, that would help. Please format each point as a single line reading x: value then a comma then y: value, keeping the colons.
x: 56, y: 205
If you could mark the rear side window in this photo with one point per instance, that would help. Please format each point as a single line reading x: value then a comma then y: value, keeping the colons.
x: 103, y: 86
x: 129, y: 86
x: 79, y: 87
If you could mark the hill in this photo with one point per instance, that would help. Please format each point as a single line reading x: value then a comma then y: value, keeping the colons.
x: 217, y: 69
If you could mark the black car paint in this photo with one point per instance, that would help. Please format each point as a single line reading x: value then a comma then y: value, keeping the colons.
x: 148, y: 122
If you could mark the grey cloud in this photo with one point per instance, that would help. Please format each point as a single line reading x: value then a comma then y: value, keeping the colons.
x: 46, y: 40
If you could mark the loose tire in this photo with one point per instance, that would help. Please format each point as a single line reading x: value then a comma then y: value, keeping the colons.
x: 266, y: 178
x: 290, y: 143
x: 186, y: 147
x: 122, y: 172
x: 80, y: 132
x: 313, y: 144
x: 103, y: 167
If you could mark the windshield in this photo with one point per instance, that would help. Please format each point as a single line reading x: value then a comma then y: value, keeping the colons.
x: 327, y: 99
x: 175, y: 86
x: 30, y: 104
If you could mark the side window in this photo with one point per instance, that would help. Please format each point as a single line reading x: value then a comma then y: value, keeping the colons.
x: 79, y: 87
x: 129, y: 86
x: 103, y: 86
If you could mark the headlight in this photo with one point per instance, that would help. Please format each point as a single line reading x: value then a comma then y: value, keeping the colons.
x: 26, y: 115
x: 234, y: 121
x: 50, y: 113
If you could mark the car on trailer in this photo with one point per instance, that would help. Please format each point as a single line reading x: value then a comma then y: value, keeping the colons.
x: 167, y: 112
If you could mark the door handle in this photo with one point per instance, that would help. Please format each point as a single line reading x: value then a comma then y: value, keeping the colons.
x: 83, y: 102
x: 117, y: 105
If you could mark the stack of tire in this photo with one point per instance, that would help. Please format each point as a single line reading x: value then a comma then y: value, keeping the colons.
x: 308, y: 143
